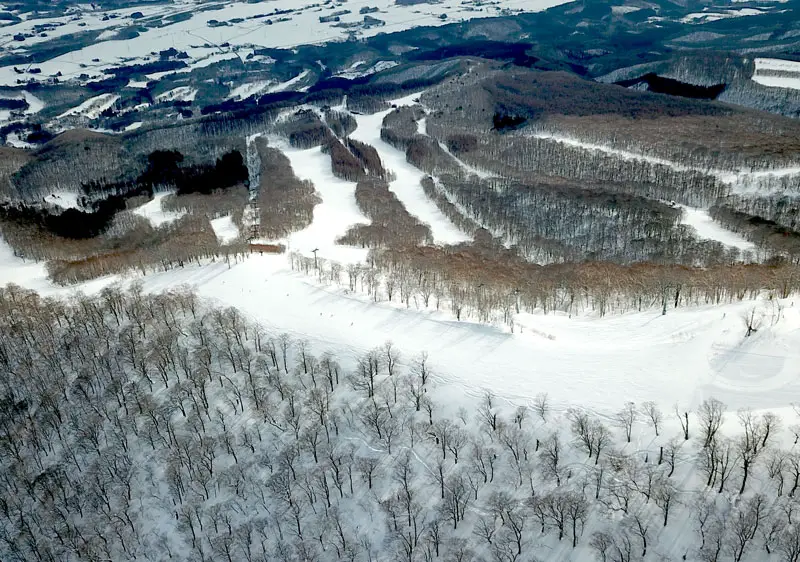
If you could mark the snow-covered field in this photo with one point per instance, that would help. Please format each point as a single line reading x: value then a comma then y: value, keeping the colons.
x: 337, y: 212
x: 92, y: 108
x: 706, y: 228
x: 244, y: 91
x: 64, y: 199
x: 225, y: 229
x: 181, y: 93
x: 153, y: 211
x: 289, y: 84
x: 238, y: 25
x: 777, y: 73
x: 705, y: 17
x: 683, y: 357
x: 740, y: 181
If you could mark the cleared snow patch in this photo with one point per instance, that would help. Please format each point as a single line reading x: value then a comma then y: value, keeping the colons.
x: 777, y: 64
x: 246, y: 90
x: 35, y: 105
x: 289, y: 84
x: 181, y: 93
x: 789, y: 78
x: 93, y: 107
x: 106, y: 35
x: 25, y: 273
x: 740, y: 181
x: 706, y: 17
x: 13, y: 139
x: 619, y: 10
x: 154, y: 212
x: 64, y: 199
x: 352, y: 70
x: 225, y: 229
x: 707, y: 228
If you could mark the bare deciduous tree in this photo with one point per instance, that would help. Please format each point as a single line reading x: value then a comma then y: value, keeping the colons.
x: 651, y: 410
x: 626, y: 417
x: 711, y: 413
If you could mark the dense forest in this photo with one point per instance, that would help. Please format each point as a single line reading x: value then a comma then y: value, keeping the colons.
x: 154, y: 426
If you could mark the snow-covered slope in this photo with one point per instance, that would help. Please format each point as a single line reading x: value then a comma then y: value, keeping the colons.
x: 337, y: 212
x: 407, y: 186
x: 153, y: 211
x: 683, y: 357
x: 91, y: 108
x: 705, y: 227
x: 225, y: 229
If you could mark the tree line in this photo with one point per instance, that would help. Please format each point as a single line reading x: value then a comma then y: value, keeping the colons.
x: 285, y: 203
x: 391, y: 224
x: 772, y: 236
x: 485, y: 281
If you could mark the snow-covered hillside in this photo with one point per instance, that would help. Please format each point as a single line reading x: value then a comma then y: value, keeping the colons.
x: 240, y: 26
x: 683, y: 357
x: 407, y: 183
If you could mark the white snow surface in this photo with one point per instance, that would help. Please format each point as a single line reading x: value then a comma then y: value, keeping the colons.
x: 333, y: 216
x: 407, y: 186
x: 154, y: 212
x: 64, y: 199
x: 92, y: 108
x: 741, y: 181
x: 707, y: 228
x: 790, y: 79
x: 289, y: 84
x: 181, y: 93
x: 705, y: 17
x: 225, y: 229
x: 198, y: 40
x: 35, y: 105
x: 777, y: 64
x: 620, y: 10
x: 244, y: 91
x: 683, y: 357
